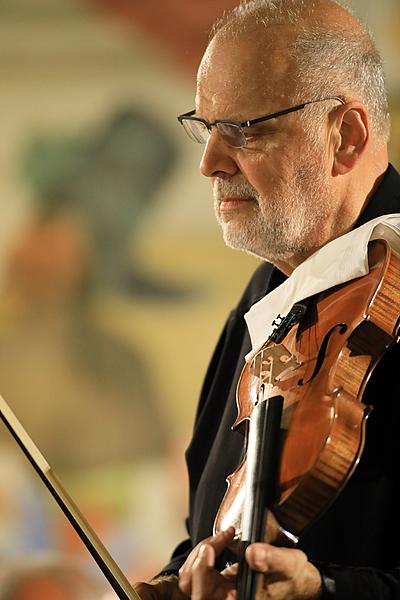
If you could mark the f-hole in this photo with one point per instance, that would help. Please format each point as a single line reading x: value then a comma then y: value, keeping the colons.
x: 322, y: 351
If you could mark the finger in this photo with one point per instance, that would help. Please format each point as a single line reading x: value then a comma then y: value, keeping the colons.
x: 146, y: 591
x: 231, y: 572
x: 160, y: 587
x: 205, y: 558
x: 287, y: 572
x: 208, y: 584
x: 219, y: 542
x: 279, y: 563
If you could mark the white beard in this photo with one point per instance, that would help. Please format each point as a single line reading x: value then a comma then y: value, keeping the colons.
x: 286, y: 223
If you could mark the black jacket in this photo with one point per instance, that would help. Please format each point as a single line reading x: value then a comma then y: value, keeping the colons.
x: 357, y: 541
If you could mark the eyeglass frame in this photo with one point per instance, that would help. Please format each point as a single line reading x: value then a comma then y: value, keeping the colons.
x: 240, y: 124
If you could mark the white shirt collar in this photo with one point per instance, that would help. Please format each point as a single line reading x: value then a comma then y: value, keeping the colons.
x: 340, y: 260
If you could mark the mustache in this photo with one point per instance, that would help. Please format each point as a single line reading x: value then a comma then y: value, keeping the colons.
x: 226, y: 188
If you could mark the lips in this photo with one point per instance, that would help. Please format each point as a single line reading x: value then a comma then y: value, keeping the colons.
x: 229, y: 203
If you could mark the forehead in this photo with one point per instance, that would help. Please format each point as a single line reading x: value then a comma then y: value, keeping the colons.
x: 246, y: 73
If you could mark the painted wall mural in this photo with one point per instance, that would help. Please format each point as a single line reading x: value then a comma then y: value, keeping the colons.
x: 114, y: 282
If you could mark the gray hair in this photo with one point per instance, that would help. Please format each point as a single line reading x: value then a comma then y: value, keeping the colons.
x: 330, y: 60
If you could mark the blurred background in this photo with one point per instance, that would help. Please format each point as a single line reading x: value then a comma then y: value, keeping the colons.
x: 114, y: 282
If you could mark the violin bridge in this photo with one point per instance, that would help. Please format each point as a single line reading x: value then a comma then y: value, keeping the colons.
x: 273, y: 364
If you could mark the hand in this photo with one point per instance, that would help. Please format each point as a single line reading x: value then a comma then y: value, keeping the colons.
x: 287, y: 573
x: 161, y: 588
x: 198, y: 578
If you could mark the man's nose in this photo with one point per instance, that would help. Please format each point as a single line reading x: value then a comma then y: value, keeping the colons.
x: 218, y: 158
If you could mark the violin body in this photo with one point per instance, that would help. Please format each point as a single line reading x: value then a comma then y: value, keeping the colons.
x: 321, y: 369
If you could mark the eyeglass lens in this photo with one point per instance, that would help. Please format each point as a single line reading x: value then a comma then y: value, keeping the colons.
x: 232, y: 134
x: 196, y: 130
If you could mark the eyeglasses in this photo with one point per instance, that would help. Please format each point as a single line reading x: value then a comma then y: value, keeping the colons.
x: 232, y: 132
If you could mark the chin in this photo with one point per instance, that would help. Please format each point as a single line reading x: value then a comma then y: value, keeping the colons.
x: 239, y: 242
x: 235, y: 239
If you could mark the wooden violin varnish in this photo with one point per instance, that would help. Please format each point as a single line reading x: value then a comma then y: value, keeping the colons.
x: 315, y: 366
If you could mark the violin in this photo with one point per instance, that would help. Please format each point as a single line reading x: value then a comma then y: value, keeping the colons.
x: 317, y: 361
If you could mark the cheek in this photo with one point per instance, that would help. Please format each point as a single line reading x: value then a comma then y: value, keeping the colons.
x: 257, y: 170
x: 275, y: 166
x: 266, y: 176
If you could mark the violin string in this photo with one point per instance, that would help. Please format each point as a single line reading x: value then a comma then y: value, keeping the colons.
x: 260, y: 378
x: 261, y: 373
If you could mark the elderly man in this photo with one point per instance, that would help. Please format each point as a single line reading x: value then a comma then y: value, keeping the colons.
x: 291, y: 105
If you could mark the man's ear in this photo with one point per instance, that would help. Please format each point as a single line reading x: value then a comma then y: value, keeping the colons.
x: 352, y: 136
